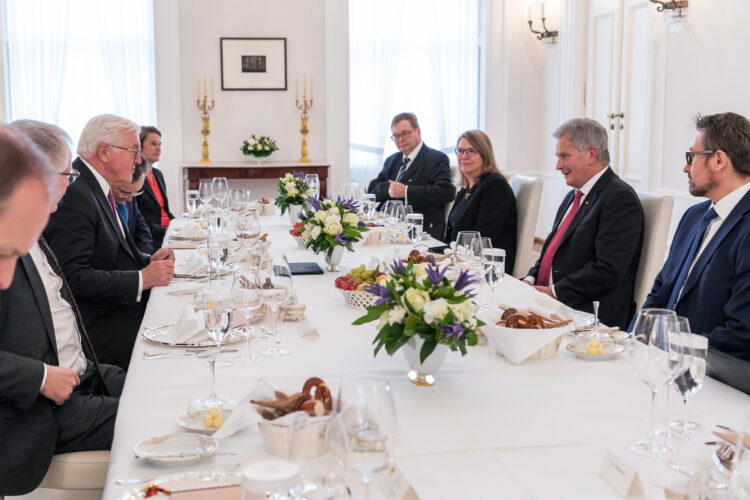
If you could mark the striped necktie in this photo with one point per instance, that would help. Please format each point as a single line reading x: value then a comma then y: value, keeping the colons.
x: 404, y: 162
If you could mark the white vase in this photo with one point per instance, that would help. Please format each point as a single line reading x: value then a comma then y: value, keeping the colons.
x: 293, y: 210
x: 334, y: 259
x: 422, y: 373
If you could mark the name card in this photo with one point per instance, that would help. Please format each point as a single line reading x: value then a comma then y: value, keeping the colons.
x: 620, y: 476
x: 395, y: 486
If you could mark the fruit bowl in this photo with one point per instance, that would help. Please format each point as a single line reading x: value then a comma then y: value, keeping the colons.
x: 352, y: 286
x: 358, y: 298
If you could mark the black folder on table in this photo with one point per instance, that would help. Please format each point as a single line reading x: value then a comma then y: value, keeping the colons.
x: 732, y: 371
x: 305, y: 268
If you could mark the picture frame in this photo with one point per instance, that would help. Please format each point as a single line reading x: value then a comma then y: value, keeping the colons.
x: 253, y: 63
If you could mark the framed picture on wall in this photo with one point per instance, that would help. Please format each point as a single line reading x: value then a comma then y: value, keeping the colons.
x: 253, y: 63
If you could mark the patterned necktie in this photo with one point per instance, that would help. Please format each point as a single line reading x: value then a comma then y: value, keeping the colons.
x: 123, y: 211
x: 111, y: 199
x: 542, y: 277
x: 404, y: 162
x: 697, y: 239
x: 67, y: 294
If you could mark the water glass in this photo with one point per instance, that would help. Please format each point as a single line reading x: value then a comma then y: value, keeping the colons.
x: 248, y: 298
x: 275, y: 279
x: 690, y: 379
x: 220, y: 189
x: 217, y: 222
x: 493, y: 263
x: 368, y: 204
x: 237, y: 199
x: 416, y: 224
x: 205, y: 192
x: 191, y: 201
x: 313, y: 182
x: 351, y: 190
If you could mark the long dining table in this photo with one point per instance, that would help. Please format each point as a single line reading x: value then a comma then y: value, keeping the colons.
x: 486, y: 429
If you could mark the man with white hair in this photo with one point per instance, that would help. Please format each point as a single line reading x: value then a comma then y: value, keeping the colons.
x: 106, y: 272
x: 54, y: 396
x: 593, y: 251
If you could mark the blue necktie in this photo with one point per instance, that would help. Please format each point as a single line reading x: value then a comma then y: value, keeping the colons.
x: 123, y: 211
x: 707, y: 218
x: 404, y: 162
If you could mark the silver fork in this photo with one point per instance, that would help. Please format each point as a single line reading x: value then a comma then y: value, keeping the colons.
x: 171, y: 354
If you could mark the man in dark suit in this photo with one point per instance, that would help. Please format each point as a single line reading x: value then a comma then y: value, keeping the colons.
x: 706, y: 277
x: 52, y: 399
x: 419, y: 175
x: 105, y: 269
x: 130, y: 214
x: 594, y: 248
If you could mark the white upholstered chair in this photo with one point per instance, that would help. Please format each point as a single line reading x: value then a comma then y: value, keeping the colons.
x: 528, y: 193
x: 657, y: 214
x: 80, y: 470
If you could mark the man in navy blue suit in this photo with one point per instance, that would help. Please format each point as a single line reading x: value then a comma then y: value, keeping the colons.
x: 706, y: 277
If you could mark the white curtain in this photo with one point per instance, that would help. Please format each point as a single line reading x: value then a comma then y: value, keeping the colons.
x: 89, y: 57
x: 421, y: 56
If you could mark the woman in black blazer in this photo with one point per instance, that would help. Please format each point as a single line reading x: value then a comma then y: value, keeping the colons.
x: 485, y: 202
x: 153, y: 203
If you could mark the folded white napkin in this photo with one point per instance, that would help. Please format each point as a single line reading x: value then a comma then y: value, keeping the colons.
x: 195, y: 264
x: 307, y: 330
x: 189, y: 327
x: 518, y: 344
x: 546, y: 306
x: 190, y: 230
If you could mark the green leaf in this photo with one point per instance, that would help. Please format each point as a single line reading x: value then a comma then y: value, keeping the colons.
x: 373, y: 313
x: 427, y: 348
x: 471, y: 338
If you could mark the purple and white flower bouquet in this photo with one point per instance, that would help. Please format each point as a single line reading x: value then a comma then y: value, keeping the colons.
x: 258, y: 146
x: 417, y: 299
x: 292, y: 191
x: 329, y: 224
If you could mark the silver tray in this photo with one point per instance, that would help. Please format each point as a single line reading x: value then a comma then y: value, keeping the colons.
x: 202, y: 478
x: 152, y: 335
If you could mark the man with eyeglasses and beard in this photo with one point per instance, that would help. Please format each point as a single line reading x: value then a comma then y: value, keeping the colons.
x: 107, y: 273
x: 706, y: 277
x: 417, y: 174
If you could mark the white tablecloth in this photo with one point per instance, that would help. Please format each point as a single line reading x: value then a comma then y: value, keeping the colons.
x: 487, y: 429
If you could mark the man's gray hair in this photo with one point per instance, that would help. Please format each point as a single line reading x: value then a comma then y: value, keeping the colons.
x: 21, y: 160
x: 50, y: 139
x: 585, y: 133
x: 104, y: 129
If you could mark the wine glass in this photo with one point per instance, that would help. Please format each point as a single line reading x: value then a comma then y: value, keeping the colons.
x: 655, y: 357
x: 275, y: 280
x: 217, y: 318
x: 217, y: 222
x: 493, y: 262
x: 220, y: 188
x: 690, y: 379
x: 368, y: 204
x: 351, y: 190
x: 205, y: 192
x: 218, y: 254
x: 368, y: 418
x: 466, y: 244
x: 248, y: 298
x: 237, y: 199
x: 248, y: 227
x: 394, y: 214
x: 416, y: 224
x: 739, y: 483
x: 191, y: 201
x: 313, y: 182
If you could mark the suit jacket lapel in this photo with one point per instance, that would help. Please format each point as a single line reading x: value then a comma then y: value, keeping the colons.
x: 588, y: 203
x: 40, y: 296
x: 703, y: 259
x: 411, y: 170
x: 104, y: 204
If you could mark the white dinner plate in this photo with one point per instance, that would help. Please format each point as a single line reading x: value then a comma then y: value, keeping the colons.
x: 156, y: 336
x: 195, y: 423
x: 203, y: 478
x: 579, y: 349
x: 180, y: 447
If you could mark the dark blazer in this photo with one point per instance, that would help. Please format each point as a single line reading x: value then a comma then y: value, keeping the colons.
x: 430, y: 186
x: 138, y: 228
x: 716, y: 294
x: 29, y: 425
x: 491, y: 210
x: 598, y: 256
x: 151, y: 210
x: 101, y: 266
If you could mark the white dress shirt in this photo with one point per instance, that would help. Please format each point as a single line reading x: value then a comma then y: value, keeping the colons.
x: 68, y: 338
x: 106, y: 188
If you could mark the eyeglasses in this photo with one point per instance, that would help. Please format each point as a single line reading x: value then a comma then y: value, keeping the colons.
x: 470, y: 152
x: 70, y: 176
x: 690, y: 155
x: 402, y: 135
x: 135, y: 152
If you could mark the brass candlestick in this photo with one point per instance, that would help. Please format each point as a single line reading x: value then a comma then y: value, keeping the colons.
x: 304, y: 107
x: 204, y: 109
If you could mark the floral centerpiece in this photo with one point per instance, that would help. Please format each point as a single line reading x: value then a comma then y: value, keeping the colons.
x: 292, y: 191
x: 418, y: 301
x: 259, y: 147
x: 331, y: 226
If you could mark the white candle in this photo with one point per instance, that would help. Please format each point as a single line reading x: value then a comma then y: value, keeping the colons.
x: 542, y: 9
x: 528, y: 5
x: 212, y: 88
x: 199, y: 89
x: 205, y: 85
x: 296, y: 89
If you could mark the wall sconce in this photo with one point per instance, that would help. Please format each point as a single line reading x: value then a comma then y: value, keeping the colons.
x: 549, y: 37
x: 676, y: 7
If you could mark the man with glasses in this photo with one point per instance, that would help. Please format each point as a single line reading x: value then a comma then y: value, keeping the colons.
x: 107, y: 273
x: 127, y: 208
x: 593, y: 251
x: 706, y: 277
x: 417, y: 174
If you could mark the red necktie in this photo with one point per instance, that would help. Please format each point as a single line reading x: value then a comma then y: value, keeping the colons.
x: 542, y: 277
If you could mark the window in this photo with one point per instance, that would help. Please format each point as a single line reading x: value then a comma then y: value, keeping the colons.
x: 69, y: 60
x: 421, y: 56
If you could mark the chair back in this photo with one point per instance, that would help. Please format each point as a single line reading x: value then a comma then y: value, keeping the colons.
x: 657, y: 214
x: 528, y: 193
x: 78, y: 470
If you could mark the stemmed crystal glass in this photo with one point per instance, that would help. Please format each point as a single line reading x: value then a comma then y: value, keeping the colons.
x: 220, y: 188
x: 248, y: 298
x: 205, y: 192
x: 690, y: 379
x: 191, y: 201
x: 237, y: 199
x: 655, y: 355
x: 248, y: 228
x: 218, y: 254
x: 369, y: 426
x: 394, y: 215
x: 368, y: 204
x: 416, y: 224
x: 467, y: 245
x: 217, y: 318
x: 275, y: 280
x: 313, y: 182
x: 493, y: 262
x: 351, y: 190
